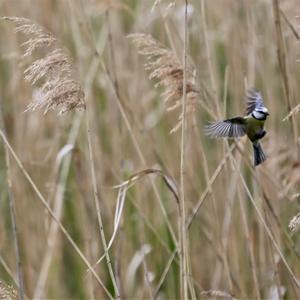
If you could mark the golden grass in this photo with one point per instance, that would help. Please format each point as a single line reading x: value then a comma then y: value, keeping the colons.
x: 214, y: 227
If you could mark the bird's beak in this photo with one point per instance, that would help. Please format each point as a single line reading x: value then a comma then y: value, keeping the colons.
x: 267, y: 114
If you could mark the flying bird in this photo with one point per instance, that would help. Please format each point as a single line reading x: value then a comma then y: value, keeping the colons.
x: 251, y: 125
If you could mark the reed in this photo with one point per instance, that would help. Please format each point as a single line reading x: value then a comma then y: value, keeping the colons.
x: 108, y: 186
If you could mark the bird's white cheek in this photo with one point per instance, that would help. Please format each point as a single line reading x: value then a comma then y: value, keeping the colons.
x: 258, y: 115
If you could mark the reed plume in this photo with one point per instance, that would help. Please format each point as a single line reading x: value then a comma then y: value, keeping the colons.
x: 7, y: 292
x: 295, y: 223
x: 52, y: 74
x: 167, y: 70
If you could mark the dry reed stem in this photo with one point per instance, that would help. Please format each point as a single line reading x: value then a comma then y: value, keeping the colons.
x: 132, y: 135
x: 164, y: 274
x: 194, y: 212
x: 291, y: 244
x: 208, y: 188
x: 59, y: 91
x: 222, y: 231
x: 266, y: 228
x: 250, y: 246
x: 12, y: 210
x: 97, y: 205
x: 8, y: 270
x: 184, y: 241
x: 58, y: 209
x: 52, y: 214
x: 125, y: 186
x: 140, y: 153
x: 130, y: 129
x: 292, y: 112
x: 89, y: 78
x: 282, y: 63
x: 209, y: 58
x: 290, y: 25
x: 247, y: 231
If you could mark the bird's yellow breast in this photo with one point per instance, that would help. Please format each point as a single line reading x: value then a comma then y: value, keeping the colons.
x: 254, y: 127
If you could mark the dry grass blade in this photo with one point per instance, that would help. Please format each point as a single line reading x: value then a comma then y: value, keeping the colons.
x: 62, y: 169
x: 169, y: 181
x: 217, y: 294
x: 7, y: 292
x: 293, y: 112
x: 52, y: 214
x: 294, y: 224
x: 51, y: 74
x: 12, y: 206
x: 123, y: 188
x: 165, y: 67
x: 266, y: 227
x: 136, y: 261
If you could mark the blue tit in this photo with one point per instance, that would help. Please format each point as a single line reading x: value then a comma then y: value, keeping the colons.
x: 251, y: 125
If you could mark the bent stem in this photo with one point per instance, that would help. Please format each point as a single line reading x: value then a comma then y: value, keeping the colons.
x: 58, y: 210
x: 267, y: 229
x: 52, y: 214
x: 97, y: 205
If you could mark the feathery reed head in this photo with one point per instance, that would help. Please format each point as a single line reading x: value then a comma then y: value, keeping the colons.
x: 7, y: 292
x: 39, y: 37
x: 165, y: 67
x: 295, y: 223
x: 52, y: 73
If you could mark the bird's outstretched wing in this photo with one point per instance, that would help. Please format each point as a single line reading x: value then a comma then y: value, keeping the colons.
x: 253, y: 100
x: 231, y: 128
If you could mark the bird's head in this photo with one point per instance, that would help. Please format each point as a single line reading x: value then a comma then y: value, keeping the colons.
x: 260, y: 113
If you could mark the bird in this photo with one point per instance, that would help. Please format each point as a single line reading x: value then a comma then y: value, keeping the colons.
x: 251, y: 125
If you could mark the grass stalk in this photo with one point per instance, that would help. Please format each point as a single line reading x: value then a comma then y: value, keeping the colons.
x: 183, y: 242
x: 209, y: 58
x: 250, y: 247
x: 128, y: 125
x: 12, y: 211
x: 58, y: 210
x: 97, y: 205
x: 52, y: 214
x: 266, y: 228
x: 283, y: 66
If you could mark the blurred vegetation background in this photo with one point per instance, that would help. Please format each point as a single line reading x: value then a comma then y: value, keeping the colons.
x: 232, y: 45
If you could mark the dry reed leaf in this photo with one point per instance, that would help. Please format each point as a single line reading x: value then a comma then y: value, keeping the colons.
x: 52, y: 74
x: 217, y: 294
x: 294, y: 224
x: 135, y: 263
x: 167, y: 70
x: 7, y: 292
x: 123, y: 188
x: 293, y: 112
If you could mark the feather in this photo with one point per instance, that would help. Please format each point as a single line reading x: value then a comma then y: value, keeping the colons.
x: 253, y: 100
x: 259, y: 155
x: 231, y: 128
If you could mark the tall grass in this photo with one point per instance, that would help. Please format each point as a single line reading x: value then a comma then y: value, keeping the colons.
x: 83, y: 211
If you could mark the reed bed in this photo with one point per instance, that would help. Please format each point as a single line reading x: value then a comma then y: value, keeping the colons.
x: 109, y: 188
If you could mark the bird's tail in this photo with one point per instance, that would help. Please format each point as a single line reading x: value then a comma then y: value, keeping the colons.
x: 259, y: 155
